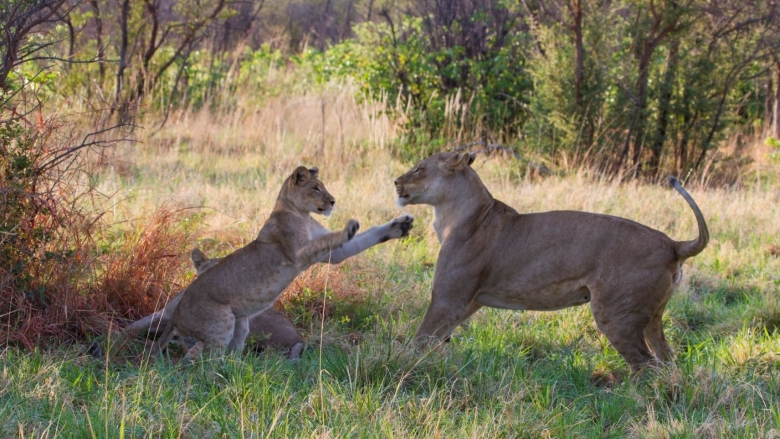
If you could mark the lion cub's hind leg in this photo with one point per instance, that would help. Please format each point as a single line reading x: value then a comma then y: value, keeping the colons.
x: 212, y: 327
x: 194, y: 352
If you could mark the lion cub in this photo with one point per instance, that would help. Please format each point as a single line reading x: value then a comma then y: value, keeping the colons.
x: 271, y: 328
x: 491, y: 255
x: 216, y: 307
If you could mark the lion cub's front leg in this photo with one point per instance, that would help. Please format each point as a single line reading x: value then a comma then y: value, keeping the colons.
x: 240, y: 332
x: 316, y: 249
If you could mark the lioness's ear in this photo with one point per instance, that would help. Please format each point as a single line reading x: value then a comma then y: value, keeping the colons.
x: 458, y: 162
x: 313, y: 171
x: 472, y: 156
x: 198, y: 257
x: 300, y: 175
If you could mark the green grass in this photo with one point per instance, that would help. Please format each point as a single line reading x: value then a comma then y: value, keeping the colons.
x: 505, y: 374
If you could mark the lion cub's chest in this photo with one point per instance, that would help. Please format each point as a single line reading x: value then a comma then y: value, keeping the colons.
x: 264, y: 294
x: 266, y: 274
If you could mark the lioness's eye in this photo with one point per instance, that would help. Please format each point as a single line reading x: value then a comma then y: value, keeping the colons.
x: 316, y: 189
x: 416, y: 170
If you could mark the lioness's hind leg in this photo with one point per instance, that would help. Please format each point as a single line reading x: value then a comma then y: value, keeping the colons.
x: 654, y: 334
x: 626, y: 334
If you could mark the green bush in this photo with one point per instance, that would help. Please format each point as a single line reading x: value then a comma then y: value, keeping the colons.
x: 440, y: 96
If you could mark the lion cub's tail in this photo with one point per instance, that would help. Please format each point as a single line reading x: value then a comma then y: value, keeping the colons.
x: 686, y: 249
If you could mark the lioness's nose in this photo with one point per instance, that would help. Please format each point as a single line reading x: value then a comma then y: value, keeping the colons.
x: 396, y: 182
x: 332, y: 201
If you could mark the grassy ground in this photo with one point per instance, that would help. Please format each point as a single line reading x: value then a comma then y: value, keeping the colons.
x: 505, y: 374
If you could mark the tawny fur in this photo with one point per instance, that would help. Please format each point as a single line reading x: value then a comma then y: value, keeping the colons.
x: 269, y: 329
x: 491, y: 255
x: 216, y: 307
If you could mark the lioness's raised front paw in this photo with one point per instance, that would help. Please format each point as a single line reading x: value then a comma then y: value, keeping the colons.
x: 351, y: 228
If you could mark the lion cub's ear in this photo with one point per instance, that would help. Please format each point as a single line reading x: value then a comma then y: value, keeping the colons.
x: 198, y: 257
x: 458, y: 162
x: 300, y: 175
x: 313, y: 171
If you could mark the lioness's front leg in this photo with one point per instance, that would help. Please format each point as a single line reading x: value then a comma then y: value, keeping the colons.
x: 316, y: 249
x: 397, y: 228
x: 451, y: 304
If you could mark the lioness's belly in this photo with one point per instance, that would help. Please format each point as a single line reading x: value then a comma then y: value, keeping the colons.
x: 549, y: 298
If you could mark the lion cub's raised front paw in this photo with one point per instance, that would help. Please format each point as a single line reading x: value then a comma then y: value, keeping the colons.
x: 400, y: 226
x: 351, y: 228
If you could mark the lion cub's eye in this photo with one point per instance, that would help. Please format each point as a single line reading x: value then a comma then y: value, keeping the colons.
x: 416, y: 170
x: 316, y: 189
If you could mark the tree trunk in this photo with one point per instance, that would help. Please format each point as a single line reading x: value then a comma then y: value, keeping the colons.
x: 71, y: 39
x: 120, y: 73
x: 152, y: 8
x: 636, y: 130
x: 776, y: 106
x: 99, y: 40
x: 576, y: 6
x: 370, y: 9
x: 664, y: 109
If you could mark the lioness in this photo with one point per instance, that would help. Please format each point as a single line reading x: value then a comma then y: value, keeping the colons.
x: 216, y: 307
x: 271, y: 328
x: 493, y: 256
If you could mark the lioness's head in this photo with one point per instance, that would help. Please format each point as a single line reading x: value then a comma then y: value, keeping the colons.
x: 426, y: 182
x: 306, y: 192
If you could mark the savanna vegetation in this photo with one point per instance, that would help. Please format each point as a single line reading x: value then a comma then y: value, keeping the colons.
x: 134, y: 130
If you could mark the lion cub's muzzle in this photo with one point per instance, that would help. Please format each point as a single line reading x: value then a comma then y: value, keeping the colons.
x: 327, y: 205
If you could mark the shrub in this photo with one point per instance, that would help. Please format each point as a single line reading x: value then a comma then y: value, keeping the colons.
x: 64, y: 273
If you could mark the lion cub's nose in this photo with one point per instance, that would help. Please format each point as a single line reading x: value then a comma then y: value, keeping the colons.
x: 396, y: 182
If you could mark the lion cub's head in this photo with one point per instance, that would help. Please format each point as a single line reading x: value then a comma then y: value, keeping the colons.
x: 428, y: 180
x: 305, y: 192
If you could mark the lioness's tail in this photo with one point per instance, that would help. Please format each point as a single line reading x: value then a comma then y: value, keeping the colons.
x: 166, y: 337
x: 686, y: 249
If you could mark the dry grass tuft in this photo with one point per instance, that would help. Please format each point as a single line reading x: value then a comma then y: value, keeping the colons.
x: 143, y: 264
x: 304, y: 297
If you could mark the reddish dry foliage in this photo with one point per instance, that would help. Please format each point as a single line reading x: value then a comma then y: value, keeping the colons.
x: 149, y: 264
x: 83, y: 293
x: 308, y: 288
x: 65, y: 273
